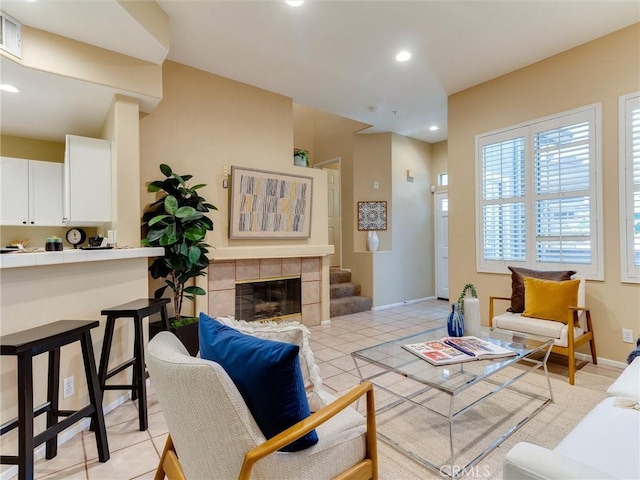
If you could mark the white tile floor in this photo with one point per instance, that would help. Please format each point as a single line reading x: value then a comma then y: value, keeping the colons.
x: 135, y: 454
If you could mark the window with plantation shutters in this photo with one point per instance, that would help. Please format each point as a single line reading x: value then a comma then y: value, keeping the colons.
x: 630, y: 188
x: 539, y: 195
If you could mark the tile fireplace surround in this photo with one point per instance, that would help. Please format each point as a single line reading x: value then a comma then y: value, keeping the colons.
x: 223, y: 275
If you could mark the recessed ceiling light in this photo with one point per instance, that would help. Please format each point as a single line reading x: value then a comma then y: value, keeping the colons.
x: 403, y: 56
x: 295, y: 3
x: 8, y: 88
x: 433, y: 128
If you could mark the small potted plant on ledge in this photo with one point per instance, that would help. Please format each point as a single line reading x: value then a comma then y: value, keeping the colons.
x: 178, y: 222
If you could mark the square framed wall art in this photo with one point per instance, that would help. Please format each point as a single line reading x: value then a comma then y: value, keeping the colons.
x: 372, y: 215
x: 269, y: 204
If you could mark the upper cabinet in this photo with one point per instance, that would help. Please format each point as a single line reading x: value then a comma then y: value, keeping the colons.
x: 30, y: 192
x: 87, y: 181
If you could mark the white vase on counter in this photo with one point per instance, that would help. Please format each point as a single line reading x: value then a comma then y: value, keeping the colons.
x: 372, y: 241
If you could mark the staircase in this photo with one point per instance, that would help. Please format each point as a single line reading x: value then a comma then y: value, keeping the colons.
x: 344, y: 295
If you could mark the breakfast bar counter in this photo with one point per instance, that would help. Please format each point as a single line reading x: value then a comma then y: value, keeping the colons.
x: 39, y: 288
x: 38, y: 258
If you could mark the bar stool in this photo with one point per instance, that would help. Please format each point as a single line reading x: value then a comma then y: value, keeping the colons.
x: 26, y: 345
x: 137, y: 310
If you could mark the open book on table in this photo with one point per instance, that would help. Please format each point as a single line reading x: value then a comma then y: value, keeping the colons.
x: 457, y: 349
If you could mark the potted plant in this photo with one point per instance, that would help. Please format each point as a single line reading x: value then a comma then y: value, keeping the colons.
x: 178, y: 222
x: 301, y: 157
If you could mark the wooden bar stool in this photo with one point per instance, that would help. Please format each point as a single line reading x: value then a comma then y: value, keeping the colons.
x: 26, y: 345
x: 137, y: 310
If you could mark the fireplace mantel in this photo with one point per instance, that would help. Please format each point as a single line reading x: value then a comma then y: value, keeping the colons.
x: 269, y: 251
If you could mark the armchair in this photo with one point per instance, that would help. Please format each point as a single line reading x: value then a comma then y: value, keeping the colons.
x: 213, y: 434
x: 568, y: 331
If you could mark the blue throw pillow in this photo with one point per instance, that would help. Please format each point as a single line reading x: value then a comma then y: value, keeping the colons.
x: 266, y: 373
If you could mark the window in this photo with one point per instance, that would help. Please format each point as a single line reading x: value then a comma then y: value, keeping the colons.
x: 443, y: 179
x: 630, y: 188
x: 539, y: 195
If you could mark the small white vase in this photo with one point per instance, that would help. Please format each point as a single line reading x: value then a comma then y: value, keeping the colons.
x: 471, y: 316
x: 372, y: 241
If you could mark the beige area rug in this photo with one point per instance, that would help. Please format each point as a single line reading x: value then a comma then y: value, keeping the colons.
x: 427, y: 434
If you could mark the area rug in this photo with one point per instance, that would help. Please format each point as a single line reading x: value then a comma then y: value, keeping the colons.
x: 427, y: 434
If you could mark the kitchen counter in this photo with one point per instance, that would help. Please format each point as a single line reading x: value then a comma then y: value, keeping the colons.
x: 36, y: 259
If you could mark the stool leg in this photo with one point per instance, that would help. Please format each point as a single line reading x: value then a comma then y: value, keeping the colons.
x: 53, y: 395
x: 95, y: 397
x: 139, y: 381
x: 165, y: 318
x: 25, y: 417
x: 106, y: 348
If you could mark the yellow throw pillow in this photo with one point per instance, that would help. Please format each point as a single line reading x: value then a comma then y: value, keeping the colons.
x: 549, y: 299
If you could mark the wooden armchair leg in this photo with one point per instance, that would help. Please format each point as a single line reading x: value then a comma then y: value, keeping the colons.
x: 169, y: 465
x: 592, y: 342
x: 572, y: 367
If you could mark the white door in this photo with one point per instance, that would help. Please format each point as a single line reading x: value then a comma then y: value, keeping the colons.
x: 442, y: 245
x: 333, y: 196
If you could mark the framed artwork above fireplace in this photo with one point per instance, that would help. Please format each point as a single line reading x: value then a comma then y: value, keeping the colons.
x: 269, y: 204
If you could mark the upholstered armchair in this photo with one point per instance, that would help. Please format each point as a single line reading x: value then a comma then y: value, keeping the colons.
x: 214, y: 435
x: 548, y: 304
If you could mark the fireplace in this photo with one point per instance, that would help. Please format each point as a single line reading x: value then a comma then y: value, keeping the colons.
x: 226, y: 274
x: 269, y: 298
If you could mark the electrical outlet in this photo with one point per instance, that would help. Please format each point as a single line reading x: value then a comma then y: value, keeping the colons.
x: 68, y: 387
x: 627, y: 335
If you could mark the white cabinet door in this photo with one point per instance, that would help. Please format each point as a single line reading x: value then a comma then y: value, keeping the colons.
x: 45, y: 193
x: 14, y: 191
x: 31, y: 192
x: 87, y: 181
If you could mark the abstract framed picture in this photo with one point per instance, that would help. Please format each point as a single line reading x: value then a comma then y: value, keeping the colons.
x: 372, y: 215
x: 269, y: 204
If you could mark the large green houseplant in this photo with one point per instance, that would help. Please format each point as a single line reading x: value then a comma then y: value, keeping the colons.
x: 178, y: 222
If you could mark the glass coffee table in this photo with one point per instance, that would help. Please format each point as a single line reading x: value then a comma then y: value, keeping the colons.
x: 455, y: 395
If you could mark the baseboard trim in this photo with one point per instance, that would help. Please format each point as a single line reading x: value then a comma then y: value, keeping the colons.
x: 602, y: 361
x: 66, y: 435
x: 399, y: 304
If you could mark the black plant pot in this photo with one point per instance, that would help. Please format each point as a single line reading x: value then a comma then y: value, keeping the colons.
x: 188, y: 335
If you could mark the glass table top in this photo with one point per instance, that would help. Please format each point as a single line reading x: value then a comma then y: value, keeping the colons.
x: 451, y: 378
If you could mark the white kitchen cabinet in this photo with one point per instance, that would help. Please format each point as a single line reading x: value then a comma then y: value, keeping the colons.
x: 87, y: 181
x: 30, y: 192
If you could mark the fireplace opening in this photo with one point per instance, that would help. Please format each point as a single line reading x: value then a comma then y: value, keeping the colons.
x: 266, y: 299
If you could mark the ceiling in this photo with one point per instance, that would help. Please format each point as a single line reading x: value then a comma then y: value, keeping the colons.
x: 335, y: 56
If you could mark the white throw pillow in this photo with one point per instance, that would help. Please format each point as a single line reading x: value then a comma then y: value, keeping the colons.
x: 288, y: 332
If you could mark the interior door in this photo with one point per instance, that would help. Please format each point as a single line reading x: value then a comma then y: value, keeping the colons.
x: 333, y: 197
x: 442, y: 245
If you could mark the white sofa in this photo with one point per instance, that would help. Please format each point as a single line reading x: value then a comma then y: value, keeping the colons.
x: 605, y: 444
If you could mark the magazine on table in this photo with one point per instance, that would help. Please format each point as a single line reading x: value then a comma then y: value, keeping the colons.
x: 457, y: 349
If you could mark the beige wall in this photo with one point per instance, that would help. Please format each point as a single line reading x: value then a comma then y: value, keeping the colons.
x: 303, y: 130
x: 122, y: 127
x: 55, y: 54
x: 218, y: 122
x: 403, y: 267
x: 333, y: 138
x: 599, y: 71
x: 31, y: 149
x: 438, y: 163
x: 372, y: 162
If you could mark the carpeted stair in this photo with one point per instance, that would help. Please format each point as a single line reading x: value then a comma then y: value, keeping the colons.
x: 345, y: 295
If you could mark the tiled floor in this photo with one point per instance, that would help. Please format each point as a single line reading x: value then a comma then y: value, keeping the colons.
x: 135, y: 454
